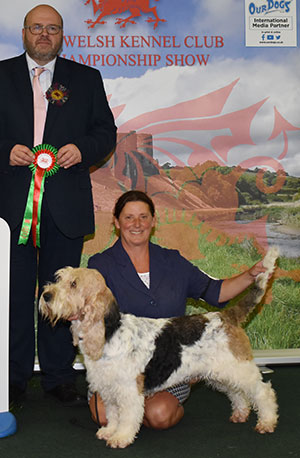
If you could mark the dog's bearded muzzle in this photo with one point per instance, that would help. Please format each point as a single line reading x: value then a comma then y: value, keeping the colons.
x: 48, y: 306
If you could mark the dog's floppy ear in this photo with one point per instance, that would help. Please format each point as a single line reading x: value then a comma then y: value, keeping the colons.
x: 93, y: 325
x: 93, y: 340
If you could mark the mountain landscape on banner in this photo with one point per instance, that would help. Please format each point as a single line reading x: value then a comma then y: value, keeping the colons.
x: 206, y: 187
x: 226, y: 199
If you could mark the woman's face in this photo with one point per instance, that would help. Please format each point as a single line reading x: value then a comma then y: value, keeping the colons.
x: 135, y: 223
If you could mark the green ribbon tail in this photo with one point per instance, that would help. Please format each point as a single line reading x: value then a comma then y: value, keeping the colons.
x: 27, y: 219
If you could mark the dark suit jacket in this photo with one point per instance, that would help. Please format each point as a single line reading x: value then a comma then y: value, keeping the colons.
x: 85, y: 120
x: 172, y: 280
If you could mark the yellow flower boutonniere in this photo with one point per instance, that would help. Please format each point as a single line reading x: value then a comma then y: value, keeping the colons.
x: 57, y: 94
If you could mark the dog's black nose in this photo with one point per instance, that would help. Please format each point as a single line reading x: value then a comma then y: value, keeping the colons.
x: 47, y: 297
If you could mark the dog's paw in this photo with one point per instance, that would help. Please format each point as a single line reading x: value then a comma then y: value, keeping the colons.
x: 239, y: 416
x: 263, y: 428
x: 105, y: 432
x: 119, y: 440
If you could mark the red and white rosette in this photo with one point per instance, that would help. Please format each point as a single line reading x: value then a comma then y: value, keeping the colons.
x: 44, y: 165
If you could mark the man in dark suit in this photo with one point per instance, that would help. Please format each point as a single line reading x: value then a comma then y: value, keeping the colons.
x: 80, y: 125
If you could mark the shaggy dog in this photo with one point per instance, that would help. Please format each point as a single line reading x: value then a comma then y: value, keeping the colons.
x: 128, y: 357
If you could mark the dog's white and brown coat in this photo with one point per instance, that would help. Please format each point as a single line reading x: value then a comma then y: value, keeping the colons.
x: 128, y: 357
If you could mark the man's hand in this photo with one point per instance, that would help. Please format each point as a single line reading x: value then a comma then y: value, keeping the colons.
x: 68, y: 155
x: 20, y: 155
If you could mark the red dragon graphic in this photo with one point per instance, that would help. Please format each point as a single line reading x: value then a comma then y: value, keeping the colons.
x: 112, y: 7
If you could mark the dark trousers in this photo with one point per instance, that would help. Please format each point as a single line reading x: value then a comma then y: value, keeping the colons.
x: 31, y: 268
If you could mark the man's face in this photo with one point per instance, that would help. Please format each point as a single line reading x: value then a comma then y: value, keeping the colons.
x: 44, y: 47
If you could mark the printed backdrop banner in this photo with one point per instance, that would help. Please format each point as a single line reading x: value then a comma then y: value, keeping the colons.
x: 208, y: 125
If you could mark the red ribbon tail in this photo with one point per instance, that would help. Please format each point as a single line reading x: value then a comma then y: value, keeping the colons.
x: 36, y: 198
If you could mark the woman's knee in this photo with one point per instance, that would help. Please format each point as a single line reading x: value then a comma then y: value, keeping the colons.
x: 162, y: 412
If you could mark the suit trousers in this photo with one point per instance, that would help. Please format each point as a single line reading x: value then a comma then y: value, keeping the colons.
x: 31, y: 268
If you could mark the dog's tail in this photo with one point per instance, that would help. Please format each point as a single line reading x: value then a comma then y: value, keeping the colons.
x: 241, y: 310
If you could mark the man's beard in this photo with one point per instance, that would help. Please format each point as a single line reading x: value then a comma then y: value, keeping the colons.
x: 38, y: 55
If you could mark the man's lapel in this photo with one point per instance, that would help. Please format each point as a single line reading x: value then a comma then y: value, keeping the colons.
x: 21, y: 79
x: 55, y: 112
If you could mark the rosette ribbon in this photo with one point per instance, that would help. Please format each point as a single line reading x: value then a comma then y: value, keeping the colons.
x: 44, y: 165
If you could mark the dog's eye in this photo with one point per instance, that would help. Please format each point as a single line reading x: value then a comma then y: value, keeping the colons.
x: 73, y: 284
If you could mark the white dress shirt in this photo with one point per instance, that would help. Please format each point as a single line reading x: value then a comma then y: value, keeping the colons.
x: 45, y: 78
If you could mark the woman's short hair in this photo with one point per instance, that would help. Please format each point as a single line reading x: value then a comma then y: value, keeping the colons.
x: 133, y: 196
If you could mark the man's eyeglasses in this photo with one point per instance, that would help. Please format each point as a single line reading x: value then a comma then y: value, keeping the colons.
x: 37, y: 29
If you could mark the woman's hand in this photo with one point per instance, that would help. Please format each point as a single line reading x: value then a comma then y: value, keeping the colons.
x: 232, y: 287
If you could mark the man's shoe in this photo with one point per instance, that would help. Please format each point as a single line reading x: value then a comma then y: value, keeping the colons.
x: 67, y: 395
x: 16, y: 395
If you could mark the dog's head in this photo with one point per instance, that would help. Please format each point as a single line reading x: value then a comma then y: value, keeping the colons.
x: 81, y: 295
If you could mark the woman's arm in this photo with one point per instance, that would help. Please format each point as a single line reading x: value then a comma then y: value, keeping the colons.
x: 231, y: 287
